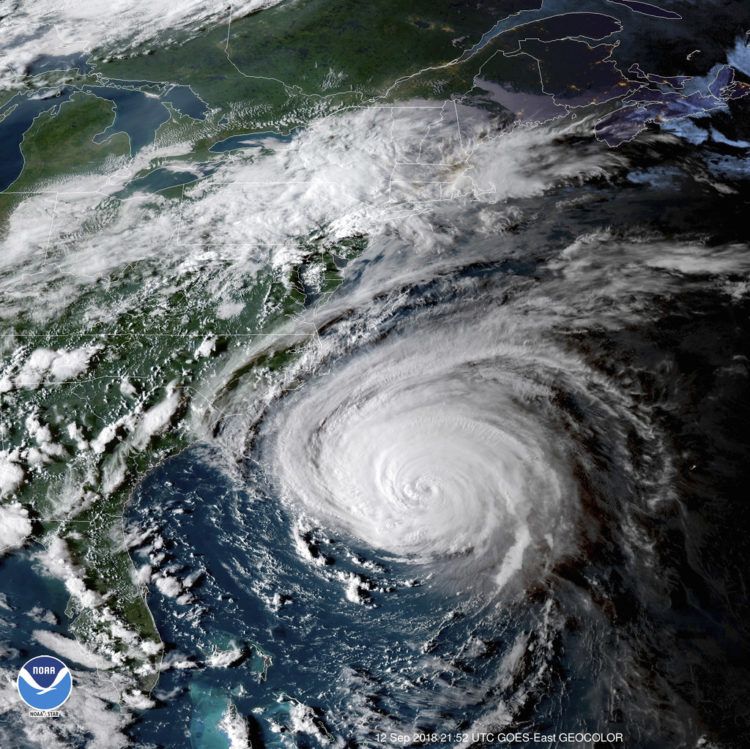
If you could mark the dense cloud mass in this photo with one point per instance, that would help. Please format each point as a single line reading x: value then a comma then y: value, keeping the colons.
x: 15, y: 526
x: 430, y: 414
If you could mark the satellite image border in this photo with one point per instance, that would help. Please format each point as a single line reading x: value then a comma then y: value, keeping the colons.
x: 374, y: 373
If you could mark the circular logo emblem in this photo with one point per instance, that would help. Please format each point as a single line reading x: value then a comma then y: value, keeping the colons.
x: 44, y: 683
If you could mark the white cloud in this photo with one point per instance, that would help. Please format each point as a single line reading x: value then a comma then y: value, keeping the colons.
x: 53, y: 367
x: 156, y: 419
x: 15, y: 526
x: 11, y: 474
x: 88, y: 719
x: 225, y: 658
x: 42, y: 435
x: 168, y: 586
x: 302, y: 719
x: 56, y: 561
x: 399, y: 173
x: 35, y: 368
x: 138, y: 700
x: 206, y: 348
x: 235, y: 727
x: 65, y: 27
x: 70, y: 650
x: 42, y: 616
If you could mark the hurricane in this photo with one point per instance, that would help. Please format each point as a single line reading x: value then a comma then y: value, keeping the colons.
x: 377, y: 374
x: 442, y: 446
x: 466, y: 458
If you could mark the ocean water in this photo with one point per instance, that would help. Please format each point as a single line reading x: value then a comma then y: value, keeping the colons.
x: 344, y: 562
x: 38, y: 602
x: 495, y: 481
x: 297, y: 640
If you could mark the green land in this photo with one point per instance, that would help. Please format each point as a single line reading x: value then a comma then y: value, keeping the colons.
x: 274, y: 70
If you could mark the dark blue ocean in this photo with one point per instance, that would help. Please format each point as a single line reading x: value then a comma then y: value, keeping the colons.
x: 356, y: 668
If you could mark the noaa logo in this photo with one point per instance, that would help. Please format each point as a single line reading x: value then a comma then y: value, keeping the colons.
x: 44, y: 683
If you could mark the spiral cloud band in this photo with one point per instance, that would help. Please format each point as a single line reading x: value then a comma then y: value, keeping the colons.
x: 434, y: 446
